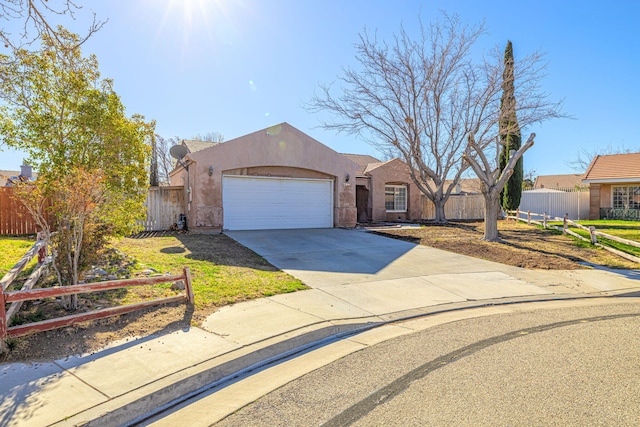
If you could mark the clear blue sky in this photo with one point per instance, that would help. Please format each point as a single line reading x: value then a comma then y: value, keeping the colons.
x: 237, y: 66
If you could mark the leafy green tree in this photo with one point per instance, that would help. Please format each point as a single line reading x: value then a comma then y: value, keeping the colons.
x: 86, y: 151
x: 510, y: 137
x: 59, y: 111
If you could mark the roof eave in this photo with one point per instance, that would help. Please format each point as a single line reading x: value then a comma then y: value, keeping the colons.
x: 611, y: 180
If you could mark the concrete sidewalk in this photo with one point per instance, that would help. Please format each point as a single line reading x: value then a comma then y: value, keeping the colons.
x: 359, y: 281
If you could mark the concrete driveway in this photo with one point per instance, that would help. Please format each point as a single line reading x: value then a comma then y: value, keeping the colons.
x: 332, y: 257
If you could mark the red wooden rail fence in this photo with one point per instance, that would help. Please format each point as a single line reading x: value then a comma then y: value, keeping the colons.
x: 7, y: 331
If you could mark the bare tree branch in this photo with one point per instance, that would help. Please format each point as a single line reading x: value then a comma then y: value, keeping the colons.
x: 421, y: 97
x: 37, y: 19
x: 584, y: 157
x: 165, y: 163
x: 414, y: 97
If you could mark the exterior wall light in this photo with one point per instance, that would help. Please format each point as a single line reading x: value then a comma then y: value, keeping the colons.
x: 210, y: 170
x: 346, y: 178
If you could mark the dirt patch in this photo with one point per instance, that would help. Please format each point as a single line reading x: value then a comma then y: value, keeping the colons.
x: 522, y: 246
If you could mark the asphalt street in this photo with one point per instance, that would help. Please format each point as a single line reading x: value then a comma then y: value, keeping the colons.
x: 554, y: 363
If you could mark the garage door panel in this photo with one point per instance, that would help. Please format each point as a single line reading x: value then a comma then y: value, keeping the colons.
x: 252, y: 203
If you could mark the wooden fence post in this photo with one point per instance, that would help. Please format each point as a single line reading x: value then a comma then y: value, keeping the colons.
x: 565, y: 224
x: 592, y: 232
x: 528, y: 217
x: 3, y: 324
x: 517, y: 214
x: 544, y: 220
x: 187, y: 285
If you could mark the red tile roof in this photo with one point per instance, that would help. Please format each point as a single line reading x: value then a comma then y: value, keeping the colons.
x: 614, y: 167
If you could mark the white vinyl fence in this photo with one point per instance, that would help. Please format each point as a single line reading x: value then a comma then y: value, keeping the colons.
x: 556, y: 203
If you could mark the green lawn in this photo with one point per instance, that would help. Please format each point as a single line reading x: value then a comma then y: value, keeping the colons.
x: 223, y: 271
x: 629, y: 230
x: 12, y: 249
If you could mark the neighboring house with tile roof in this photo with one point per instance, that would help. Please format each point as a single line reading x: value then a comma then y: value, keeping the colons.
x: 24, y: 174
x: 6, y: 175
x: 614, y: 186
x: 565, y: 182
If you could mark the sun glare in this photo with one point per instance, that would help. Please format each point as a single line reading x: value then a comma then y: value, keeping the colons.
x: 194, y: 22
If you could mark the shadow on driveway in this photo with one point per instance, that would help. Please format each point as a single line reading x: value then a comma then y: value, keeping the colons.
x: 333, y: 250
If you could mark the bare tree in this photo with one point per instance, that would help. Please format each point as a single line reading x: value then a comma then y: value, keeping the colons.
x: 209, y: 137
x: 493, y: 180
x: 533, y: 106
x: 427, y: 100
x: 529, y: 179
x: 36, y: 18
x: 164, y: 162
x: 418, y: 99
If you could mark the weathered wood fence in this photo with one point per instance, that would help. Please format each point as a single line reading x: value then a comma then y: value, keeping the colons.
x: 527, y: 216
x: 14, y: 217
x: 164, y: 206
x: 458, y: 206
x: 17, y: 297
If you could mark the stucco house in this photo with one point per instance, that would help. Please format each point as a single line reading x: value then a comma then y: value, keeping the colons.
x: 274, y: 178
x: 614, y: 186
x: 280, y: 177
x: 385, y: 190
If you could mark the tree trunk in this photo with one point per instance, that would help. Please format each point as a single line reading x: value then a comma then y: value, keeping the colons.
x: 440, y: 216
x: 491, y: 212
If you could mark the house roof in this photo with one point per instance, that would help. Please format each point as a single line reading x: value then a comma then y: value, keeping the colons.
x: 614, y: 168
x: 567, y: 181
x: 367, y: 164
x: 362, y: 160
x: 376, y: 165
x: 194, y: 145
x: 469, y: 185
x: 7, y: 174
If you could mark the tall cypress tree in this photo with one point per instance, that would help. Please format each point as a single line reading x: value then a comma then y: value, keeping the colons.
x: 510, y: 136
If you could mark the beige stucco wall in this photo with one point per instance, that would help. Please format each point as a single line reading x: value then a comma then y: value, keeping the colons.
x: 394, y: 172
x: 280, y: 151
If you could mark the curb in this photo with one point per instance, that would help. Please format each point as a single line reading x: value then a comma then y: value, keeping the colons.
x: 145, y: 402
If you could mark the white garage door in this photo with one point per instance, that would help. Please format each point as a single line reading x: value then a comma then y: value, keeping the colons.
x: 258, y: 203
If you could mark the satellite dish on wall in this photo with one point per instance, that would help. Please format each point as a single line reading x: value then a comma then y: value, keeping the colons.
x: 178, y: 151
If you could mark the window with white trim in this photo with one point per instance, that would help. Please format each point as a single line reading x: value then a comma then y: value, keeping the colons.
x: 395, y: 198
x: 626, y: 197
